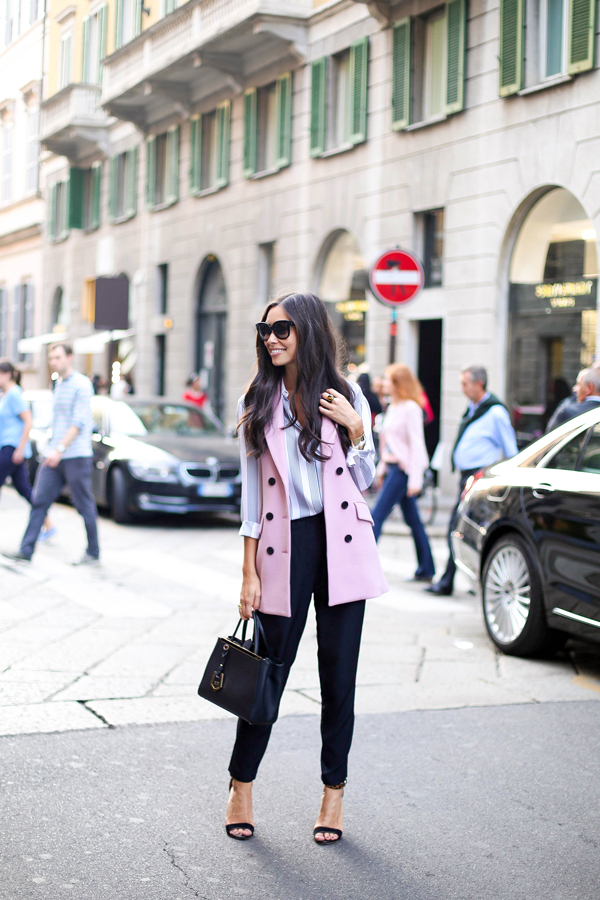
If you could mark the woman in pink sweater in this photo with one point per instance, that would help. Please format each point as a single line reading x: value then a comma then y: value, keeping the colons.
x: 403, y: 461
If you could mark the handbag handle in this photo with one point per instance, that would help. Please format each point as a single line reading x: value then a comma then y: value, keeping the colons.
x: 257, y: 636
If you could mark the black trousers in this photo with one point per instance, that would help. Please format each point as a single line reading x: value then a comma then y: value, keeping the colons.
x: 339, y: 631
x: 18, y: 472
x: 447, y: 578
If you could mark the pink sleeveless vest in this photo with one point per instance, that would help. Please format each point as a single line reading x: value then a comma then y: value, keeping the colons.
x: 354, y: 569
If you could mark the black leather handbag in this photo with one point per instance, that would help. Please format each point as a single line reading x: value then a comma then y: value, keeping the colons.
x: 241, y: 678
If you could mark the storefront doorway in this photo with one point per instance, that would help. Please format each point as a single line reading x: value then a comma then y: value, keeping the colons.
x: 342, y: 285
x: 211, y: 332
x: 553, y: 312
x: 429, y: 372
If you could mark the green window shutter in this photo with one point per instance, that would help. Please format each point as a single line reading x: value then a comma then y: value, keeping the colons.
x: 173, y: 164
x: 96, y: 176
x: 85, y: 52
x: 582, y: 26
x: 284, y: 120
x: 456, y: 22
x: 401, y: 59
x: 195, y: 154
x: 76, y: 182
x: 151, y: 172
x: 132, y: 167
x: 223, y: 117
x: 113, y: 188
x: 52, y: 213
x: 511, y: 46
x: 318, y: 106
x: 250, y: 116
x: 359, y: 69
x: 119, y: 24
x: 102, y: 20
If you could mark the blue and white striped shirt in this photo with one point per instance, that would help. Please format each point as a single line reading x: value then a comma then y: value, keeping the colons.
x: 73, y: 406
x: 304, y: 477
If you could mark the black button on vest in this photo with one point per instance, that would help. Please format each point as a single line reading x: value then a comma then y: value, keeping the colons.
x: 271, y: 481
x: 269, y: 516
x: 345, y: 504
x: 348, y: 538
x: 270, y: 550
x: 339, y: 471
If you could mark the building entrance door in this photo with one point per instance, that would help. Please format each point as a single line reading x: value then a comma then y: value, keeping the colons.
x: 211, y: 335
x: 429, y: 372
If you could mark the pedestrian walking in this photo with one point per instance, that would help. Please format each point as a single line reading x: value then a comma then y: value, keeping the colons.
x: 194, y: 393
x: 485, y: 436
x: 15, y: 449
x: 306, y: 454
x: 68, y: 457
x: 585, y: 396
x: 403, y: 461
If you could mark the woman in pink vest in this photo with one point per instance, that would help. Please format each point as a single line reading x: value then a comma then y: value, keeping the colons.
x: 307, y: 453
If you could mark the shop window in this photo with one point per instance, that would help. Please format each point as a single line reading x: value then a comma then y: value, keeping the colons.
x: 94, y: 46
x: 430, y: 226
x: 7, y: 162
x: 3, y: 321
x: 268, y: 127
x: 65, y: 63
x: 122, y: 201
x: 558, y: 40
x: 339, y: 86
x: 209, y: 150
x: 428, y: 65
x: 33, y: 150
x: 162, y: 169
x: 129, y: 21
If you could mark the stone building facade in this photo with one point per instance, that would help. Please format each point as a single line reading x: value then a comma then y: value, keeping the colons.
x: 235, y: 149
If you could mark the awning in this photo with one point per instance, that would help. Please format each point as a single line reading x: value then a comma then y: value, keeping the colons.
x: 35, y: 344
x: 95, y: 343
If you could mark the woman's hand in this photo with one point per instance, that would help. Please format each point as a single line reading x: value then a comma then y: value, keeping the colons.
x: 18, y: 456
x: 413, y: 492
x: 249, y: 595
x: 335, y: 406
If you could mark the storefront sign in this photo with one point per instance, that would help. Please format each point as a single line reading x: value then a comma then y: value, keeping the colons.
x: 561, y: 296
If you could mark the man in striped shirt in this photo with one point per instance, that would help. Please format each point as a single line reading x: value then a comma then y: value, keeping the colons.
x: 67, y: 457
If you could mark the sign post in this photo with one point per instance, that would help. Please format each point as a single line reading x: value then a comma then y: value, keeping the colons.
x: 395, y: 279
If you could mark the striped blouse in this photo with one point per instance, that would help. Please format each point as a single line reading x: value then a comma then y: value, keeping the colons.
x: 304, y: 477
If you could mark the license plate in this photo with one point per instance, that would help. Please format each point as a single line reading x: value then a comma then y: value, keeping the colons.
x: 215, y: 489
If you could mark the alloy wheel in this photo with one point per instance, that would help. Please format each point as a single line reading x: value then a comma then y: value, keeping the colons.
x: 507, y: 594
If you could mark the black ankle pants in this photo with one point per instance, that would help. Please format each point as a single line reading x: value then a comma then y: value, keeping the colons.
x: 338, y: 638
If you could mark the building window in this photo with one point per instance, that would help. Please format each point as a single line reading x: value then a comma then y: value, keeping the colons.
x: 3, y: 321
x: 65, y: 64
x: 339, y: 99
x: 162, y: 169
x: 58, y: 211
x: 129, y: 21
x: 209, y: 150
x: 167, y: 6
x: 7, y: 157
x: 266, y: 273
x: 33, y: 151
x: 268, y: 127
x: 428, y: 65
x: 81, y: 195
x: 22, y: 319
x: 92, y: 184
x: 122, y: 203
x: 94, y: 46
x: 432, y: 224
x: 9, y: 21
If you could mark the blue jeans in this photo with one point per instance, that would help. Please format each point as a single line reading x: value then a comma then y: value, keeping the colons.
x: 394, y: 491
x: 77, y: 473
x: 18, y: 473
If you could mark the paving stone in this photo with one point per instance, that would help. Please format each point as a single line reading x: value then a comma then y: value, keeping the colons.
x: 93, y: 687
x: 143, y: 659
x: 46, y: 717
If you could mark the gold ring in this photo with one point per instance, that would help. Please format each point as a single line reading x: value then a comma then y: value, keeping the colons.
x: 240, y: 607
x: 330, y: 398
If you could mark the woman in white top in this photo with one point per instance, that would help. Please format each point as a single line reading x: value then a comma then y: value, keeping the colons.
x: 403, y: 461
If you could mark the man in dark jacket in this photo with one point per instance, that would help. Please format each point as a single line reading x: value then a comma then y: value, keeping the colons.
x: 586, y: 396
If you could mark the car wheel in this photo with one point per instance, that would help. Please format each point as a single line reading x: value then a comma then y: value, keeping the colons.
x: 119, y: 508
x: 513, y: 603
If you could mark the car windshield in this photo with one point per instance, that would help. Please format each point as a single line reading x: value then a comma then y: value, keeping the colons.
x: 124, y: 420
x: 174, y: 418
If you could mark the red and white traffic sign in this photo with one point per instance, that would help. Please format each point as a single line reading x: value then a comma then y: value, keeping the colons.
x: 396, y: 277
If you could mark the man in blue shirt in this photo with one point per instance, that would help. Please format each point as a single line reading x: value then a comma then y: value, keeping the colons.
x: 484, y: 437
x: 68, y: 457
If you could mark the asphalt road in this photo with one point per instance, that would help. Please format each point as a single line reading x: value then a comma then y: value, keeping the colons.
x: 464, y: 804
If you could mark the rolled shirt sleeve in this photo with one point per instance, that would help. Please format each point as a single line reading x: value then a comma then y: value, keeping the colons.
x: 250, y: 467
x: 82, y: 410
x: 362, y: 462
x: 505, y: 433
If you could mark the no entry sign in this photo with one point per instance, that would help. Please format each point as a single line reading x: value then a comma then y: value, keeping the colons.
x: 396, y: 277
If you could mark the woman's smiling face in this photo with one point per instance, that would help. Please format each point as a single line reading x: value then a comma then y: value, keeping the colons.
x: 281, y: 351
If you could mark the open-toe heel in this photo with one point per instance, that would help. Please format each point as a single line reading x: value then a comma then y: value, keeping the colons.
x: 239, y: 826
x: 323, y: 829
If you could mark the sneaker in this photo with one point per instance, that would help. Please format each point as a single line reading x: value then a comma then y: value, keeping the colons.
x: 87, y: 560
x: 18, y: 556
x: 46, y: 534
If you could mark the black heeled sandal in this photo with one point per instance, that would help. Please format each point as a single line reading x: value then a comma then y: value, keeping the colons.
x: 239, y: 825
x: 322, y: 829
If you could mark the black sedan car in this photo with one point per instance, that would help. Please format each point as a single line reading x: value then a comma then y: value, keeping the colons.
x: 529, y: 532
x: 157, y: 455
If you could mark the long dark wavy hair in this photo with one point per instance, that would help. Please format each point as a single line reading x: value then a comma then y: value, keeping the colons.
x: 318, y: 362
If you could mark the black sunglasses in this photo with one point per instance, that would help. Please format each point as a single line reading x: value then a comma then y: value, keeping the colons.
x: 280, y: 329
